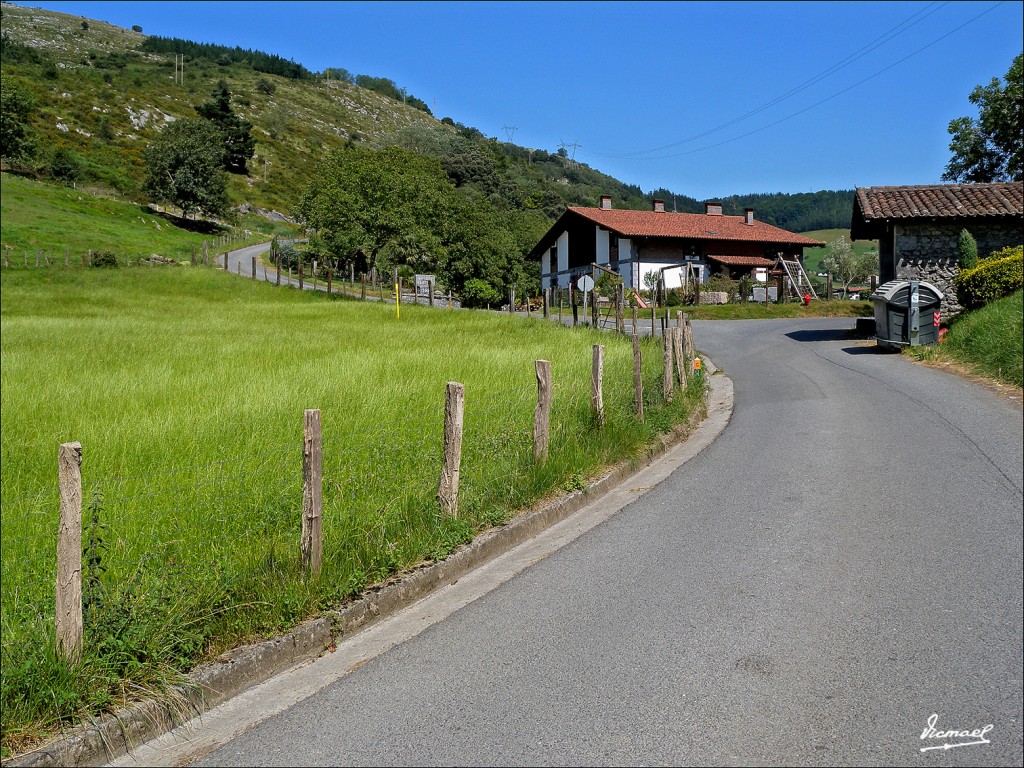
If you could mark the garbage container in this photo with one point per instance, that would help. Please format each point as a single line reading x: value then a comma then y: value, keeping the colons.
x: 906, y: 313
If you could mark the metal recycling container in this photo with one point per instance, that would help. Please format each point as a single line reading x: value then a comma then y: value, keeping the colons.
x: 906, y: 313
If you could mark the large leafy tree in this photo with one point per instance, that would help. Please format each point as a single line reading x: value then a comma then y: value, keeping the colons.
x: 16, y: 105
x: 239, y: 144
x: 991, y: 148
x: 183, y: 167
x: 391, y: 206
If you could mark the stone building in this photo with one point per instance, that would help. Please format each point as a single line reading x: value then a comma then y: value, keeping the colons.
x: 918, y: 228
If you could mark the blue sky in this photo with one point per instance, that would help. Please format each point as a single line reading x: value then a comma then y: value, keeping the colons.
x: 705, y: 99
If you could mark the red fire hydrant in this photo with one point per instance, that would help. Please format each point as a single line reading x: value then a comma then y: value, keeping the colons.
x: 807, y: 299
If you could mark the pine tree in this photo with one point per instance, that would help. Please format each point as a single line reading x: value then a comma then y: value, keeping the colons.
x: 239, y: 144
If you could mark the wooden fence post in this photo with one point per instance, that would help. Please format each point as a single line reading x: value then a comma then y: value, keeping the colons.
x: 542, y: 416
x: 547, y: 292
x: 312, y: 491
x: 597, y: 384
x: 638, y: 380
x: 620, y: 318
x: 362, y: 286
x: 677, y: 348
x: 667, y: 377
x: 448, y: 487
x: 430, y: 291
x: 559, y: 306
x: 253, y: 267
x: 69, y: 553
x: 330, y: 271
x: 688, y: 351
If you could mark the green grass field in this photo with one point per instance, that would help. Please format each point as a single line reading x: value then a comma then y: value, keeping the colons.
x: 186, y: 388
x: 54, y: 219
x: 813, y: 256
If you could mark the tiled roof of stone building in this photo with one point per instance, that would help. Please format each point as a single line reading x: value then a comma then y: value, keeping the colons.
x: 939, y: 201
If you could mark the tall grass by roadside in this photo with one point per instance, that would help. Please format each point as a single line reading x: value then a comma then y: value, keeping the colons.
x: 989, y: 340
x: 186, y: 388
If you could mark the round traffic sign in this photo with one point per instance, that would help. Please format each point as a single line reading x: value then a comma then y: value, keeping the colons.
x: 585, y: 283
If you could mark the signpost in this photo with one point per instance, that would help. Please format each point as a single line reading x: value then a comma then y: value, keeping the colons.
x: 585, y: 284
x: 423, y: 284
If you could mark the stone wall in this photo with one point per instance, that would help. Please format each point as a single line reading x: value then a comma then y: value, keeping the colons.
x: 931, y: 252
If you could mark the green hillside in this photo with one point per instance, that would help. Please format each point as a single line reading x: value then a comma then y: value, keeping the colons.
x: 101, y: 94
x: 813, y: 256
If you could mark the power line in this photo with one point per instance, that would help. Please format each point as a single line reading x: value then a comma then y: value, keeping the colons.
x: 828, y: 98
x: 510, y: 131
x: 841, y: 64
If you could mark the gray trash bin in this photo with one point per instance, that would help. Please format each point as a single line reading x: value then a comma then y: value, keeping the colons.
x: 906, y: 313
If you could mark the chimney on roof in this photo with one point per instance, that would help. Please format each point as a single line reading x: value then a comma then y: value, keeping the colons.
x: 713, y: 209
x: 606, y: 202
x: 659, y: 206
x: 748, y: 215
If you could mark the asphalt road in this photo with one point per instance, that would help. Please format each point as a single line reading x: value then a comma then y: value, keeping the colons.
x: 841, y: 564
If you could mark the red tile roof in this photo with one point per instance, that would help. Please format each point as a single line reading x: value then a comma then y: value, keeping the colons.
x: 940, y: 200
x: 742, y: 261
x: 698, y: 226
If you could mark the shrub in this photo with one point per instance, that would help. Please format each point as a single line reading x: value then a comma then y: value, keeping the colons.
x: 265, y: 86
x: 968, y: 250
x: 103, y: 259
x: 479, y: 293
x: 998, y: 276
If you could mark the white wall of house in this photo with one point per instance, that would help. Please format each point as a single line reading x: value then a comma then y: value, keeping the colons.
x: 627, y: 271
x: 563, y: 258
x: 602, y: 246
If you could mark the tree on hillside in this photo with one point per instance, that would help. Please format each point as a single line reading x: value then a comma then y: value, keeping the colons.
x: 239, y: 144
x: 847, y: 266
x: 388, y: 205
x: 16, y: 105
x: 991, y: 148
x: 183, y: 168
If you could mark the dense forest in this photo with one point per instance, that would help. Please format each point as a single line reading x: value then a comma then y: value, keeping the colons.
x: 268, y: 63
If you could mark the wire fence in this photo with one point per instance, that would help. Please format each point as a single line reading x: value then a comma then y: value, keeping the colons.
x: 39, y: 257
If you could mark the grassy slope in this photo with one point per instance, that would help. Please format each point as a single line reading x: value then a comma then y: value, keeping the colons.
x: 990, y: 341
x: 154, y: 369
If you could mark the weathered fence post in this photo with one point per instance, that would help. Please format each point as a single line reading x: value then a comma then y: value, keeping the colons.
x: 547, y: 291
x: 430, y: 292
x: 559, y: 305
x: 362, y: 286
x: 677, y: 348
x: 301, y: 275
x: 312, y: 491
x: 542, y: 415
x: 638, y: 380
x: 667, y: 377
x: 688, y: 351
x: 620, y: 300
x: 597, y: 384
x: 635, y: 315
x: 448, y: 487
x: 330, y: 271
x: 314, y: 274
x: 253, y: 267
x: 69, y: 553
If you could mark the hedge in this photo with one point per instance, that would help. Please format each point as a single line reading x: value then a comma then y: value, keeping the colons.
x: 999, y: 275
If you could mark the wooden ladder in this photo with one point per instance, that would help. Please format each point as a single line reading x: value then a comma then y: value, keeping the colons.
x: 797, y: 276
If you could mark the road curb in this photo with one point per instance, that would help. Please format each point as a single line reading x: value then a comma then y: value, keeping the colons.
x: 111, y: 736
